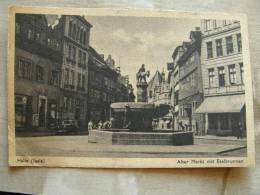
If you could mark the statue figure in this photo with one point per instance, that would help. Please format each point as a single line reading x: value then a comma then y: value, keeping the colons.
x: 142, y: 74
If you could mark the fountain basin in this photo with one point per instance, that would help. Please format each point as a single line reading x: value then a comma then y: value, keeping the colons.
x: 126, y: 137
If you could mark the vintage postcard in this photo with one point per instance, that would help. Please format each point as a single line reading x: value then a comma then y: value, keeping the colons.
x: 129, y: 88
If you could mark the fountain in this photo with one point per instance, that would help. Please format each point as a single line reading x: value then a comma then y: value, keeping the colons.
x: 132, y: 123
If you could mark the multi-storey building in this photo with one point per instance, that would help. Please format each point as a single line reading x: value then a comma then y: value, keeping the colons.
x: 174, y: 78
x: 190, y: 85
x: 158, y: 89
x: 223, y: 74
x: 38, y: 59
x: 106, y: 85
x: 75, y: 32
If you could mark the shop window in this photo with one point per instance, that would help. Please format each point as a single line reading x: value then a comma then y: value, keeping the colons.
x: 232, y: 74
x: 221, y: 76
x: 229, y: 45
x: 219, y: 48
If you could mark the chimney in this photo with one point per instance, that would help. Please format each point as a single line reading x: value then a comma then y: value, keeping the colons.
x: 197, y: 28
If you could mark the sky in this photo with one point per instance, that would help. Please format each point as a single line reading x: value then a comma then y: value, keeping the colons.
x: 133, y: 41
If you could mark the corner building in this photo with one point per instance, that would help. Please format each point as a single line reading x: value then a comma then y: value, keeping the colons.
x: 75, y: 32
x: 223, y: 78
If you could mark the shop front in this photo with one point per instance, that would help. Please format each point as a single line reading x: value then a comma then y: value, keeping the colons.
x: 224, y: 115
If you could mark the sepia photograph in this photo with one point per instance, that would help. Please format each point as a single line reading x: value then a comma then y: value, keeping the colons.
x: 122, y: 88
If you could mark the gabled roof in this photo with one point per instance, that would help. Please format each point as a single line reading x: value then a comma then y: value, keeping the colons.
x: 156, y: 80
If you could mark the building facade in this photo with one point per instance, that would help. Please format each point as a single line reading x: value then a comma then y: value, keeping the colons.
x: 75, y: 32
x: 223, y: 78
x: 158, y: 89
x: 38, y: 59
x: 190, y: 86
x: 106, y: 85
x: 174, y: 79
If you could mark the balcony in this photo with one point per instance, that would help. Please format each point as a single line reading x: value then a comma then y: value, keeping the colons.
x: 231, y: 89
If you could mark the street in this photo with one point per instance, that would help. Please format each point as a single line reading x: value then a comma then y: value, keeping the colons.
x: 78, y: 146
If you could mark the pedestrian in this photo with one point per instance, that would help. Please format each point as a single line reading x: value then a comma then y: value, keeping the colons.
x: 90, y: 125
x: 100, y: 124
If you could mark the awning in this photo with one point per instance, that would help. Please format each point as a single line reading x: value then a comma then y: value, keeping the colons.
x: 222, y: 104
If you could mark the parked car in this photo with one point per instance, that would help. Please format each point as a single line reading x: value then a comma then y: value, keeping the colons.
x: 68, y: 127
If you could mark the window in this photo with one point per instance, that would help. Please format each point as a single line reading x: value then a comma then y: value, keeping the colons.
x: 232, y: 74
x: 84, y: 38
x: 83, y: 81
x: 79, y: 58
x: 17, y: 28
x: 70, y: 28
x: 150, y: 93
x: 77, y: 33
x: 211, y: 78
x: 241, y: 65
x: 74, y: 31
x: 193, y: 106
x: 79, y: 80
x: 84, y: 58
x: 29, y: 34
x: 25, y: 69
x: 74, y: 53
x: 69, y: 52
x: 37, y: 36
x: 72, y: 77
x: 226, y: 22
x: 229, y: 44
x: 39, y: 73
x: 81, y: 36
x: 192, y: 81
x: 207, y: 25
x: 239, y: 43
x: 49, y: 41
x: 66, y: 77
x: 214, y: 22
x: 209, y: 49
x: 221, y: 76
x: 219, y: 47
x: 54, y: 80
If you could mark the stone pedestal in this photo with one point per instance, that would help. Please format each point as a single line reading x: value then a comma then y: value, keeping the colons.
x: 142, y: 91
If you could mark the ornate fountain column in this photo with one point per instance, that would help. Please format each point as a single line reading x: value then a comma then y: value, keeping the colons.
x: 141, y: 91
x: 142, y: 84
